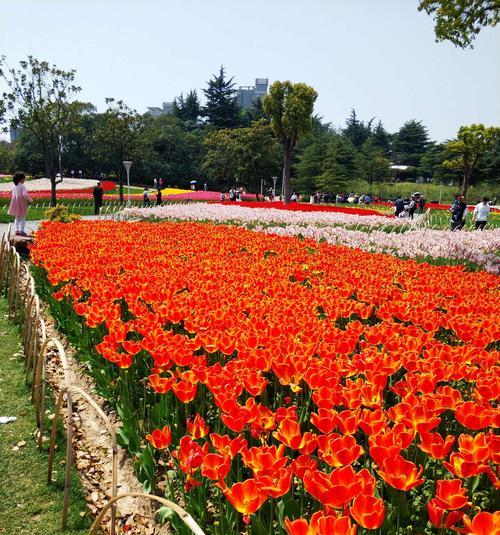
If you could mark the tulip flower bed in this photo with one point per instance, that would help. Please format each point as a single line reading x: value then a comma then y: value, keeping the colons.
x: 400, y: 237
x: 307, y: 207
x: 278, y: 385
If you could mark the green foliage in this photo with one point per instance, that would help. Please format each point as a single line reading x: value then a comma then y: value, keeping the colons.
x: 357, y: 131
x: 187, y: 109
x: 6, y: 157
x: 243, y: 155
x: 39, y: 100
x: 60, y: 213
x: 174, y: 149
x: 372, y: 163
x: 339, y: 167
x: 459, y: 21
x: 222, y: 109
x: 471, y: 144
x: 410, y: 143
x: 381, y: 138
x: 310, y: 166
x: 290, y: 107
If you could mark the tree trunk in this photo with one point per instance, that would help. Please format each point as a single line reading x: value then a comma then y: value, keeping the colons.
x: 287, y: 173
x: 120, y: 185
x: 50, y: 174
x: 53, y: 195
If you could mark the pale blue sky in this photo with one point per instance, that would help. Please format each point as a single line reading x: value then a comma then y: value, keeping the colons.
x: 377, y: 56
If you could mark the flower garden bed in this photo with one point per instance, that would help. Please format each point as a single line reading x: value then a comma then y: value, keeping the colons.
x: 279, y: 385
x: 373, y: 233
x: 307, y: 207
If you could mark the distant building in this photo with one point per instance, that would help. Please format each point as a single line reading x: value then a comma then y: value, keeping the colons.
x: 166, y: 109
x: 14, y: 134
x: 247, y: 95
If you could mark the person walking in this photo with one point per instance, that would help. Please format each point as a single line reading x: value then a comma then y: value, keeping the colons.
x: 412, y: 205
x: 158, y: 197
x: 146, y: 203
x: 421, y: 204
x: 458, y: 213
x: 98, y: 193
x: 481, y: 213
x: 18, y: 207
x: 399, y: 206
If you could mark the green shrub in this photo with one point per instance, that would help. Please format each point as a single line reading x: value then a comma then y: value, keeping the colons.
x: 61, y: 214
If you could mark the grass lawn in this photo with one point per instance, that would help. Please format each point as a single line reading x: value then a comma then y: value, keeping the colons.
x: 28, y: 505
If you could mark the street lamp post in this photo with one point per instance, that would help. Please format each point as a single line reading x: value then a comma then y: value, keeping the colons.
x: 127, y: 168
x: 60, y: 150
x: 275, y: 178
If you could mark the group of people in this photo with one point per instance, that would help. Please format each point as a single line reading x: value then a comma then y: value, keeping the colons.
x: 459, y: 212
x: 234, y: 194
x: 18, y: 207
x: 407, y: 207
x: 146, y: 200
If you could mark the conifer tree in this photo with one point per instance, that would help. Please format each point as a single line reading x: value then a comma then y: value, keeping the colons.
x: 222, y: 109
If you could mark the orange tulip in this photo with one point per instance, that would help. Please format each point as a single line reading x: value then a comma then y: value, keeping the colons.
x: 434, y: 445
x: 338, y: 450
x: 160, y: 438
x: 450, y: 494
x: 197, y: 428
x: 246, y: 497
x: 215, y: 466
x: 400, y: 473
x: 368, y: 511
x: 483, y: 524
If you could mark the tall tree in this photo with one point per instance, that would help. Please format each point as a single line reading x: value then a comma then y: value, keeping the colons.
x: 174, y: 151
x: 222, y: 109
x: 459, y: 21
x: 339, y: 167
x: 471, y: 144
x: 39, y: 97
x: 115, y: 138
x: 192, y: 107
x: 410, y: 143
x: 290, y: 107
x: 245, y: 156
x: 187, y: 109
x: 357, y: 131
x: 372, y: 162
x: 381, y: 138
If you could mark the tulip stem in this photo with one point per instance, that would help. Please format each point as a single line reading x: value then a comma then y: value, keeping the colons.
x: 400, y: 493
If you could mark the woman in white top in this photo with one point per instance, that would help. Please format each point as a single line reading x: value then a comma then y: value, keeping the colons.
x: 481, y: 213
x: 19, y: 203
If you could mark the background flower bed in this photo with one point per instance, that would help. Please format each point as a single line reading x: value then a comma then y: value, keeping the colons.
x: 370, y: 233
x: 307, y: 207
x: 265, y: 378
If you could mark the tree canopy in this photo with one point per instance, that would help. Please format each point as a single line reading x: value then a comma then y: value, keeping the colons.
x: 459, y: 21
x: 39, y: 100
x: 221, y: 109
x: 470, y: 146
x: 290, y: 107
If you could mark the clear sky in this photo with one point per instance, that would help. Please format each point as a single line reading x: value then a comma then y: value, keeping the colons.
x: 377, y: 56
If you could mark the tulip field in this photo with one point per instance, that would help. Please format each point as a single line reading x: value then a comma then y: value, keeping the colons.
x: 283, y: 384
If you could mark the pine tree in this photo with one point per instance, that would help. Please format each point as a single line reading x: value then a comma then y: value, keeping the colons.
x: 410, y: 143
x: 191, y: 107
x: 222, y: 109
x: 381, y: 138
x: 356, y: 131
x: 339, y: 167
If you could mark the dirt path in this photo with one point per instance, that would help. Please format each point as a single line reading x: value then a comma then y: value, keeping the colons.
x: 92, y: 444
